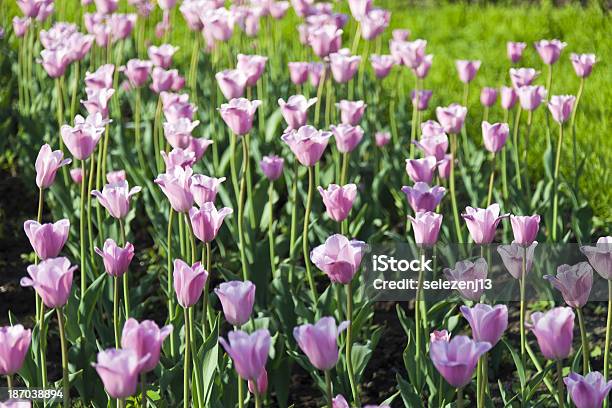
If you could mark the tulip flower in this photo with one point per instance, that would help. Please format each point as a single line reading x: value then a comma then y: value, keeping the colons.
x: 432, y: 128
x: 115, y: 197
x: 488, y: 96
x: 137, y: 71
x: 351, y: 111
x: 339, y: 258
x: 451, y: 117
x: 444, y: 166
x: 47, y: 240
x: 119, y: 369
x: 435, y: 145
x: 118, y: 176
x: 82, y: 139
x: 295, y: 110
x: 320, y: 342
x: 76, y: 175
x: 381, y: 64
x: 52, y: 280
x: 249, y: 352
x: 583, y: 64
x: 374, y: 23
x: 456, y: 359
x: 14, y: 345
x: 188, y: 282
x: 260, y: 386
x: 423, y: 69
x: 482, y: 223
x: 252, y: 67
x: 525, y: 228
x: 421, y: 197
x: 339, y: 402
x: 179, y: 133
x: 237, y: 299
x: 218, y: 24
x: 47, y: 164
x: 574, y: 283
x: 560, y: 107
x: 600, y: 257
x: 439, y: 335
x: 177, y: 106
x: 522, y: 76
x: 278, y: 9
x: 145, y: 340
x: 421, y: 98
x: 20, y: 25
x: 426, y: 225
x: 204, y: 188
x: 325, y: 40
x: 382, y: 138
x: 494, y: 135
x: 207, y: 221
x: 588, y: 391
x: 55, y: 61
x: 343, y: 65
x: 102, y: 78
x: 166, y: 80
x: 238, y: 114
x: 315, y: 73
x: 549, y: 50
x: 554, y: 331
x: 307, y: 143
x: 467, y: 70
x: 161, y: 56
x: 488, y: 323
x: 411, y: 53
x: 421, y: 170
x: 471, y: 273
x: 116, y: 259
x: 530, y: 97
x: 272, y: 166
x: 298, y: 72
x: 347, y: 137
x: 514, y: 50
x: 338, y: 200
x: 176, y: 185
x: 512, y: 257
x: 507, y: 97
x: 178, y: 157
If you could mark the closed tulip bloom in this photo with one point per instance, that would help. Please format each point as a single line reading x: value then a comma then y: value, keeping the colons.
x: 439, y: 335
x: 191, y: 13
x: 421, y: 169
x: 218, y: 24
x: 400, y: 34
x: 338, y: 200
x: 52, y: 280
x: 444, y: 166
x: 470, y: 273
x: 249, y: 352
x: 494, y: 135
x: 423, y: 69
x: 162, y: 56
x: 237, y: 299
x: 272, y: 166
x: 488, y: 96
x: 530, y: 97
x: 426, y: 226
x: 188, y: 282
x: 374, y: 23
x: 102, y: 78
x: 298, y: 72
x: 145, y: 339
x: 325, y: 40
x: 177, y: 106
x: 179, y: 132
x: 339, y: 258
x: 560, y: 107
x: 76, y: 175
x: 467, y: 70
x: 55, y: 61
x: 207, y: 221
x: 525, y: 228
x: 554, y: 331
x: 482, y: 223
x: 20, y: 25
x: 106, y: 6
x: 411, y: 53
x: 165, y: 80
x: 456, y: 359
x: 432, y: 128
x: 359, y: 8
x: 47, y: 240
x: 262, y: 383
x: 176, y: 185
x: 421, y: 197
x: 116, y: 259
x: 117, y: 176
x: 343, y: 65
x: 29, y: 8
x: 451, y: 117
x: 252, y: 66
x: 507, y: 97
x: 583, y: 64
x: 435, y: 145
x: 382, y: 138
x: 600, y: 256
x: 549, y: 50
x: 320, y: 341
x: 278, y: 9
x: 488, y: 323
x: 295, y: 110
x: 116, y: 197
x: 589, y: 391
x: 119, y: 370
x: 47, y: 164
x: 424, y: 95
x: 347, y: 137
x: 514, y: 50
x: 232, y: 83
x: 522, y: 76
x: 238, y: 114
x: 381, y: 64
x: 351, y: 111
x: 315, y: 73
x: 512, y: 256
x: 204, y: 188
x: 178, y: 157
x: 574, y: 282
x: 14, y: 345
x: 307, y: 143
x: 339, y: 402
x: 98, y: 101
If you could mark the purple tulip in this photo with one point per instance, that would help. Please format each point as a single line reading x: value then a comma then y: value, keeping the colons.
x: 351, y: 111
x: 166, y: 80
x: 237, y: 299
x: 118, y: 176
x: 238, y: 114
x: 295, y: 110
x: 76, y: 175
x: 494, y: 135
x: 382, y: 138
x: 525, y: 228
x: 218, y: 24
x: 522, y: 76
x: 145, y: 339
x: 191, y: 13
x: 467, y: 70
x: 116, y: 259
x: 325, y: 40
x: 272, y: 166
x: 320, y: 341
x: 589, y: 391
x: 444, y: 166
x: 298, y: 72
x: 162, y: 56
x: 339, y: 258
x: 549, y: 50
x: 249, y: 352
x: 470, y: 273
x: 530, y: 97
x: 359, y: 8
x: 344, y: 65
x: 178, y: 157
x: 307, y: 143
x: 426, y: 226
x: 179, y: 133
x: 423, y: 69
x: 20, y: 25
x: 137, y: 71
x: 554, y: 331
x: 122, y: 25
x: 435, y: 145
x: 102, y: 78
x: 507, y: 97
x: 424, y: 95
x: 451, y: 117
x: 176, y: 185
x: 278, y: 9
x: 52, y: 280
x: 177, y: 106
x: 106, y: 6
x: 432, y: 128
x: 456, y: 359
x: 574, y: 282
x: 512, y: 256
x: 232, y: 83
x: 204, y: 188
x: 29, y: 8
x: 55, y: 61
x: 488, y: 323
x: 600, y: 256
x: 252, y: 66
x: 439, y: 335
x: 560, y: 107
x: 374, y: 23
x: 79, y: 45
x: 381, y: 64
x: 14, y: 345
x: 119, y: 369
x: 400, y: 34
x: 421, y: 169
x: 115, y: 197
x: 482, y: 223
x: 315, y: 73
x: 188, y: 282
x: 421, y: 197
x: 514, y: 50
x: 411, y: 53
x: 488, y: 96
x: 339, y: 402
x: 47, y: 164
x: 207, y: 221
x: 338, y: 200
x: 261, y: 385
x: 583, y: 64
x: 347, y: 137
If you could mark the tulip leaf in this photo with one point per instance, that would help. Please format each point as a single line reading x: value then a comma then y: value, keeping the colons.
x: 517, y: 362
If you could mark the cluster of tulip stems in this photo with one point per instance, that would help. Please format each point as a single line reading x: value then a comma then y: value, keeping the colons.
x: 171, y: 152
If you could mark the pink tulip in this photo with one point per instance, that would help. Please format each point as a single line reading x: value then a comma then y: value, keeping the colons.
x: 55, y: 62
x: 191, y: 13
x: 382, y: 138
x: 122, y: 25
x: 137, y: 71
x: 347, y: 137
x: 444, y: 166
x: 421, y: 197
x: 204, y: 188
x: 439, y: 335
x: 82, y: 138
x: 166, y: 80
x: 451, y: 117
x: 98, y: 101
x: 422, y: 101
x: 29, y: 8
x: 47, y: 164
x: 469, y: 273
x: 47, y: 240
x: 574, y: 282
x: 14, y: 344
x: 232, y: 83
x: 218, y: 24
x: 262, y: 383
x: 525, y: 228
x: 530, y: 97
x: 435, y: 145
x: 278, y: 9
x: 456, y: 359
x: 549, y: 50
x: 400, y: 34
x: 351, y: 111
x: 238, y: 114
x: 411, y: 53
x: 359, y: 8
x: 116, y: 259
x: 177, y: 106
x: 106, y: 6
x: 20, y: 25
x: 554, y: 331
x: 426, y: 226
x: 508, y: 97
x: 249, y: 352
x: 237, y: 299
x: 272, y: 167
x: 145, y: 339
x: 339, y: 402
x: 176, y: 185
x: 161, y: 56
x: 512, y: 256
x: 432, y: 128
x: 298, y: 72
x: 343, y: 65
x: 600, y: 256
x: 247, y: 19
x: 52, y: 280
x: 494, y: 135
x: 560, y: 107
x: 188, y: 282
x: 207, y: 221
x: 589, y: 391
x: 339, y: 258
x: 295, y: 110
x: 252, y: 66
x: 76, y: 175
x: 338, y: 200
x: 118, y: 176
x: 80, y: 45
x: 423, y: 69
x: 166, y: 4
x: 488, y: 96
x: 482, y: 223
x: 514, y: 50
x: 179, y: 133
x: 522, y: 76
x: 488, y: 323
x: 325, y: 40
x: 374, y: 23
x: 116, y: 197
x: 381, y: 64
x: 320, y: 341
x: 315, y: 73
x: 119, y: 369
x: 421, y: 169
x: 178, y: 157
x: 583, y: 64
x: 467, y: 70
x: 307, y: 143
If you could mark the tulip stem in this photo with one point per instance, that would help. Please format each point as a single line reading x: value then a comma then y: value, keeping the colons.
x: 205, y: 323
x: 40, y: 307
x: 257, y: 396
x: 515, y: 142
x: 330, y: 395
x: 349, y: 344
x: 249, y: 178
x: 143, y: 384
x: 608, y: 334
x: 556, y: 184
x: 271, y: 227
x: 466, y: 94
x: 522, y: 281
x: 82, y: 231
x: 116, y: 309
x: 526, y: 150
x: 484, y: 381
x: 186, y: 362
x: 585, y: 343
x: 504, y: 165
x: 560, y: 385
x: 413, y: 125
x: 240, y: 392
x: 311, y: 282
x: 156, y: 145
x: 60, y: 322
x: 460, y: 397
x: 92, y: 163
x: 137, y: 130
x: 319, y: 95
x: 293, y: 219
x: 453, y: 142
x: 60, y: 114
x: 344, y: 174
x: 9, y: 381
x: 572, y: 126
x: 243, y: 177
x: 75, y: 83
x: 491, y: 180
x: 169, y: 279
x: 191, y: 238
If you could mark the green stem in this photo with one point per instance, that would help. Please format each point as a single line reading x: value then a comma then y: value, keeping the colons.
x: 9, y: 381
x: 460, y: 397
x: 75, y: 87
x: 415, y: 104
x: 344, y: 174
x: 293, y: 219
x: 82, y: 231
x: 504, y: 164
x: 556, y: 183
x: 205, y: 294
x: 549, y: 81
x: 92, y: 163
x: 515, y: 142
x: 143, y: 385
x: 65, y: 379
x: 240, y: 392
x: 137, y: 130
x: 249, y: 197
x: 319, y: 95
x: 257, y: 396
x: 186, y: 361
x: 305, y: 243
x: 523, y: 280
x: 466, y: 94
x: 453, y: 142
x: 271, y: 228
x: 116, y: 310
x: 573, y: 127
x: 169, y: 279
x: 349, y: 345
x: 608, y: 334
x: 328, y: 387
x: 585, y: 342
x: 484, y: 379
x: 59, y: 102
x: 526, y: 150
x: 560, y: 386
x: 243, y: 179
x: 491, y: 180
x: 192, y: 238
x: 156, y: 146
